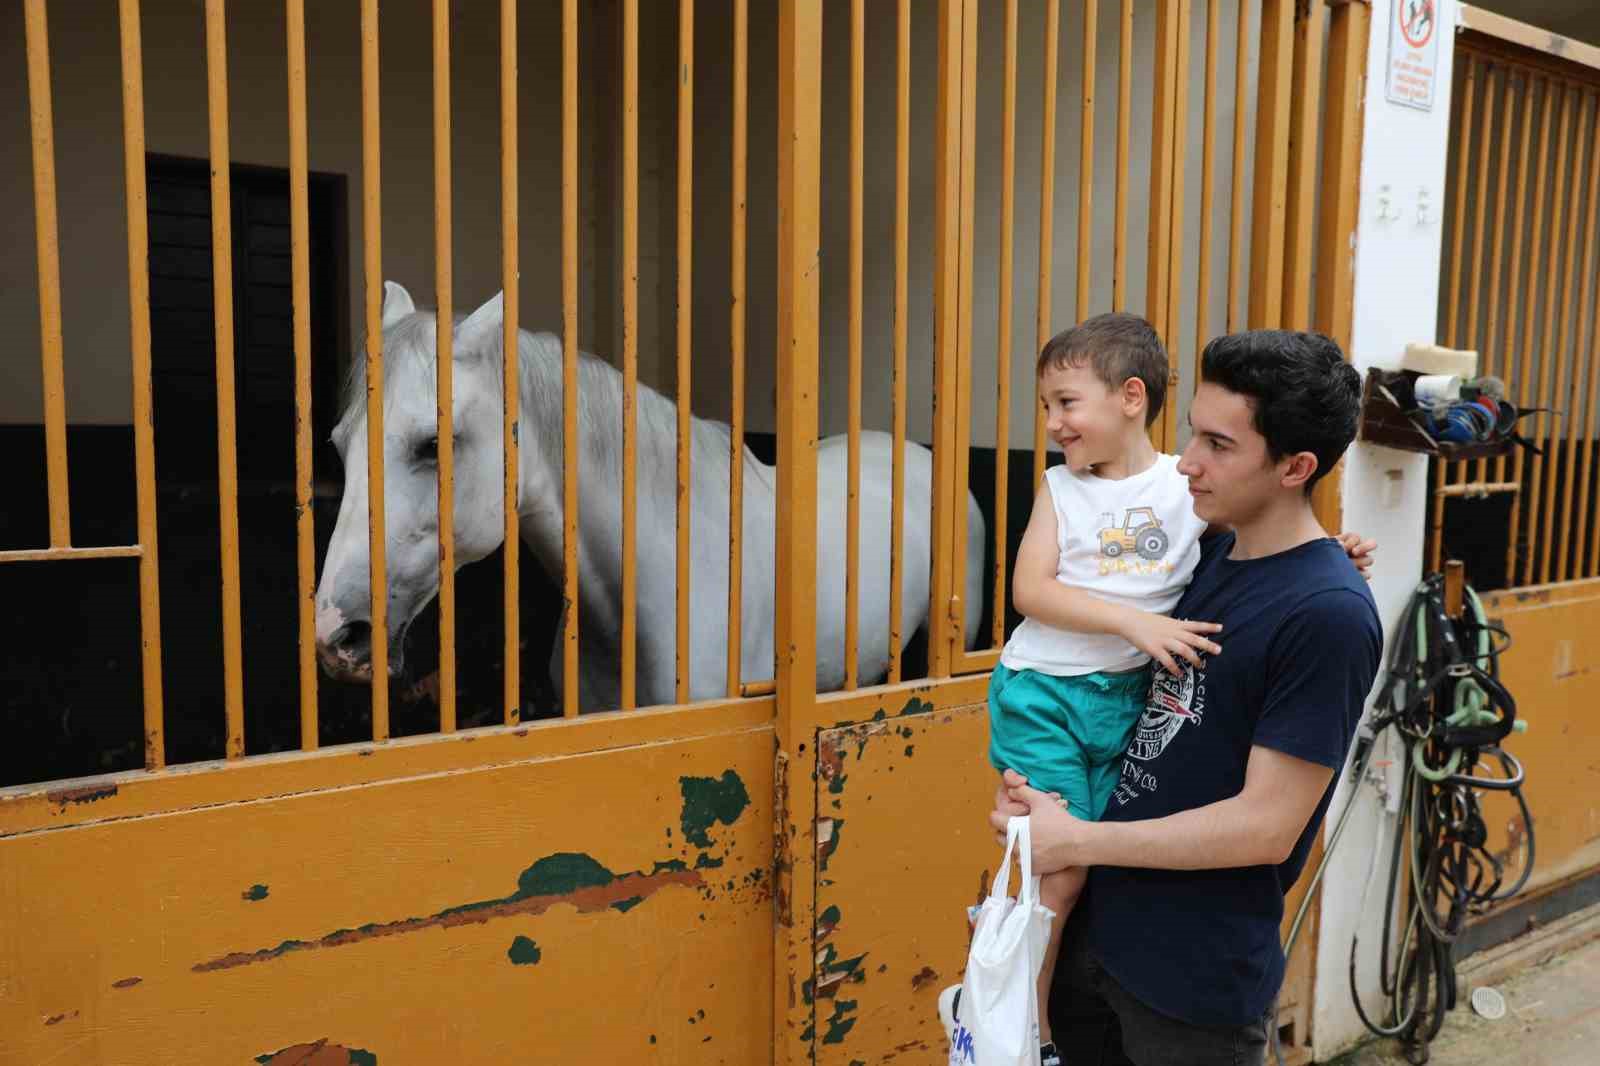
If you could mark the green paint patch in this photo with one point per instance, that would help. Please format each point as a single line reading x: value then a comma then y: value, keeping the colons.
x: 321, y: 1052
x: 829, y: 917
x: 706, y: 861
x: 916, y: 706
x: 561, y: 873
x: 840, y: 1023
x: 626, y: 905
x: 911, y: 749
x: 708, y: 801
x: 670, y: 866
x: 880, y: 714
x: 523, y: 952
x: 254, y: 894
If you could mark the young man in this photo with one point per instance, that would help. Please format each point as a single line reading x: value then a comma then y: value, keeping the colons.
x: 1232, y: 765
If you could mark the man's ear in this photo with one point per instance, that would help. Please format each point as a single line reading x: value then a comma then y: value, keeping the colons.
x: 1298, y: 469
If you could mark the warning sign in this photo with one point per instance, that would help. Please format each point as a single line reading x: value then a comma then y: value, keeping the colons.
x: 1413, y: 53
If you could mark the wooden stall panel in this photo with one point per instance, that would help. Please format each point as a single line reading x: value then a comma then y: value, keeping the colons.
x: 891, y: 928
x: 536, y: 911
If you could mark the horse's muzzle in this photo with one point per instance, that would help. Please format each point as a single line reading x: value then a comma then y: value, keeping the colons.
x: 347, y: 653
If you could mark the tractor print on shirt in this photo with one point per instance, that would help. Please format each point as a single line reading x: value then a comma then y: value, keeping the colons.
x: 1140, y: 535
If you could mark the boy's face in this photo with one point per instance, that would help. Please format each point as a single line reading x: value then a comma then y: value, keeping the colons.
x: 1231, y: 474
x: 1088, y: 419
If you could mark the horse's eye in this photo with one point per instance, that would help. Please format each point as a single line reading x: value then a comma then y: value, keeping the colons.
x: 426, y: 451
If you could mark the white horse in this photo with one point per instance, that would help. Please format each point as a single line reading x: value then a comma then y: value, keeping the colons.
x: 411, y: 513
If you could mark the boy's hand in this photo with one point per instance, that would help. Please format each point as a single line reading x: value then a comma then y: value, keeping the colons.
x: 1167, y: 639
x: 1359, y: 550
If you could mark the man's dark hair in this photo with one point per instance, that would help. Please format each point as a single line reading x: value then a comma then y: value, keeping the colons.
x: 1303, y: 395
x: 1116, y: 346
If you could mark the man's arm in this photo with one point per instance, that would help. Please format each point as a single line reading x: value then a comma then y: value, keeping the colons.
x: 1257, y: 827
x: 1037, y: 594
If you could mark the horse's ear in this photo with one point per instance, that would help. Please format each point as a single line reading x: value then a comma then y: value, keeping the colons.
x: 397, y: 303
x: 479, y: 329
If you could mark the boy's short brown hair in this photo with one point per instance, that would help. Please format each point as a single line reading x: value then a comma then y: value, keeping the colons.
x: 1116, y: 346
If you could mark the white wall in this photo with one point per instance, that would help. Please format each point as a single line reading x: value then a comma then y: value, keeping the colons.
x: 1385, y: 491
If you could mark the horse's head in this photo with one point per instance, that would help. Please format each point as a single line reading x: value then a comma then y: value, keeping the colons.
x: 411, y: 479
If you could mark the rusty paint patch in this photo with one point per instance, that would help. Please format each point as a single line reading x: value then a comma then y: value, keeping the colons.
x: 523, y: 952
x: 319, y: 1053
x: 833, y: 971
x: 830, y: 764
x: 254, y: 894
x: 924, y: 976
x: 126, y: 982
x: 901, y: 1049
x: 708, y: 801
x: 561, y: 878
x: 57, y: 1019
x: 61, y: 797
x: 828, y: 832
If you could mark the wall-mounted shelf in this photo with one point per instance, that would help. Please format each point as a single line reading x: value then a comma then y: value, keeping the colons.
x: 1383, y: 422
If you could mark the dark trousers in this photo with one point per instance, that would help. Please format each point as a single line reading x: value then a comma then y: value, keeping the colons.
x: 1097, y: 1022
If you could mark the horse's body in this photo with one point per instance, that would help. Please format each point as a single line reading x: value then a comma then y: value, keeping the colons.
x: 411, y: 512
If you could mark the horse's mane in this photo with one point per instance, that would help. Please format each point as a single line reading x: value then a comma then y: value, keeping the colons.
x: 408, y: 349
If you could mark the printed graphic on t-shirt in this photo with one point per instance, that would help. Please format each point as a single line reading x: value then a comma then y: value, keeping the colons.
x: 1174, y: 702
x: 1138, y: 545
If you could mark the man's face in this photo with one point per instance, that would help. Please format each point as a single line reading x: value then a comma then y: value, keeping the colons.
x: 1231, y: 475
x: 1085, y: 417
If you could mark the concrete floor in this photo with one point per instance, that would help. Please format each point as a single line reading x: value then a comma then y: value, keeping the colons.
x: 1552, y: 1019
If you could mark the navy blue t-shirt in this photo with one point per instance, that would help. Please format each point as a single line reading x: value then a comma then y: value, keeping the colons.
x: 1301, y: 644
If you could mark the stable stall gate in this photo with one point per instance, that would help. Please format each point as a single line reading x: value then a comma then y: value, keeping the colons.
x: 776, y: 874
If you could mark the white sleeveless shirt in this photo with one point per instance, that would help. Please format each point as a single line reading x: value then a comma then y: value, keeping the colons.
x: 1133, y: 542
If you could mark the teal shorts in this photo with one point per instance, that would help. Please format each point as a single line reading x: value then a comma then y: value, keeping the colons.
x: 1066, y: 734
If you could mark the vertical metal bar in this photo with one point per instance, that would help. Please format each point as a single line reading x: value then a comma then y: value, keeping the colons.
x: 1208, y: 144
x: 852, y: 566
x: 798, y: 179
x: 1547, y: 354
x: 685, y: 507
x: 1513, y: 276
x: 1561, y: 354
x: 569, y: 354
x: 227, y: 438
x: 1573, y: 567
x: 1119, y: 254
x: 144, y: 460
x: 1002, y: 433
x: 741, y: 152
x: 444, y: 346
x: 1535, y: 248
x: 1047, y: 209
x: 49, y: 256
x: 372, y: 233
x: 1273, y: 104
x: 300, y: 268
x: 1347, y: 52
x: 1306, y: 77
x: 1163, y: 149
x: 1171, y: 326
x: 955, y: 500
x: 1086, y: 156
x: 1236, y: 204
x: 510, y: 244
x: 902, y: 264
x: 1460, y: 150
x: 630, y: 350
x: 1497, y: 280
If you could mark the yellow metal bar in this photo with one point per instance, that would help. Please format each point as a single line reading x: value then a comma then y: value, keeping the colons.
x: 1545, y: 434
x: 372, y: 237
x: 1492, y: 355
x: 852, y: 537
x: 954, y: 502
x: 685, y: 507
x: 1348, y: 30
x: 1119, y: 253
x: 1306, y: 78
x: 1478, y: 489
x: 1164, y: 131
x: 799, y: 176
x: 45, y: 555
x: 300, y: 268
x: 630, y: 351
x: 1592, y: 369
x: 902, y: 264
x: 1236, y: 204
x: 1564, y: 355
x: 35, y: 26
x: 1273, y: 105
x: 1535, y: 248
x: 1171, y: 326
x: 569, y: 354
x: 736, y: 326
x: 1047, y: 209
x: 144, y: 457
x: 1460, y: 147
x: 1208, y: 145
x: 1513, y: 276
x: 444, y: 345
x: 1002, y: 433
x: 510, y: 252
x: 227, y: 436
x: 1091, y: 15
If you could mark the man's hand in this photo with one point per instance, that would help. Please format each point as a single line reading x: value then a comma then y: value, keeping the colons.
x: 1359, y: 550
x: 1167, y: 639
x: 1058, y: 837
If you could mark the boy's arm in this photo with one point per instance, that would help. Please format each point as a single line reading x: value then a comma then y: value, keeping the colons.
x: 1036, y: 593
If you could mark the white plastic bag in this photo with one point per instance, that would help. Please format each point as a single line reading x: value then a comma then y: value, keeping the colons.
x: 999, y: 1007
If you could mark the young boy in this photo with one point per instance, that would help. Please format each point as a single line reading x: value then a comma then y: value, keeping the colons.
x: 1111, y: 545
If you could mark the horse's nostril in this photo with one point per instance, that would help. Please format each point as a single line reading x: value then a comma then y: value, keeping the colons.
x: 352, y: 640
